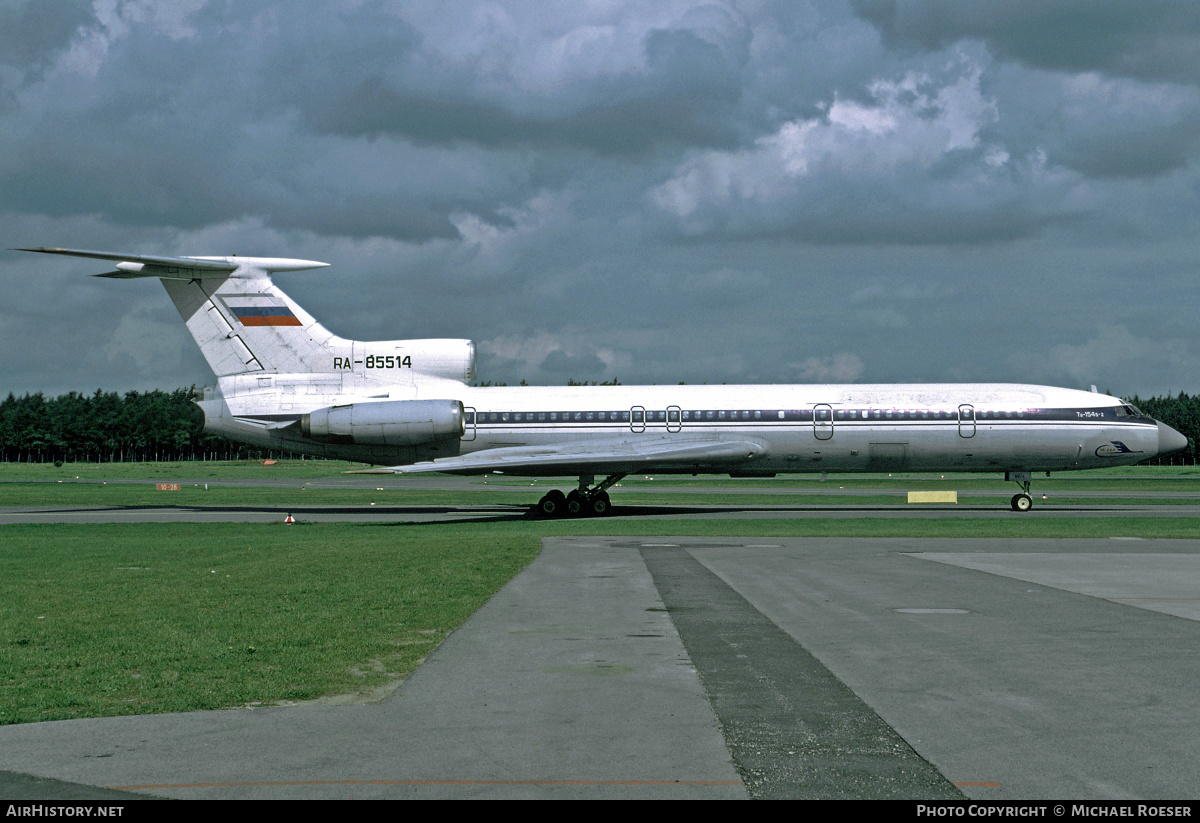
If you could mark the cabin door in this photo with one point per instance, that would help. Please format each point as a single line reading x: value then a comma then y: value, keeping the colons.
x: 966, y: 420
x: 674, y: 418
x: 823, y: 421
x: 637, y: 419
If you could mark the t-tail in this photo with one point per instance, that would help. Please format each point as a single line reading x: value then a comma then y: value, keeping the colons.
x: 284, y: 379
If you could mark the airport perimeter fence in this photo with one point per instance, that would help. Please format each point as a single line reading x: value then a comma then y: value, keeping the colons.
x: 1181, y: 459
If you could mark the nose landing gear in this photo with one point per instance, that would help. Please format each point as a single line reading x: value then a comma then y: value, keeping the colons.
x: 1023, y: 501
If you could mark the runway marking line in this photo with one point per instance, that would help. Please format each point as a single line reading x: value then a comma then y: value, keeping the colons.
x: 534, y: 782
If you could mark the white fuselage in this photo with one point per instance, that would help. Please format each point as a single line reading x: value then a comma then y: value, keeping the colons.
x: 794, y: 428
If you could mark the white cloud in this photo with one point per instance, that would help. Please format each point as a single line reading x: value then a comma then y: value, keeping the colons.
x: 1116, y: 354
x: 147, y: 338
x: 115, y: 19
x: 843, y: 367
x: 537, y: 356
x: 908, y: 125
x: 535, y: 214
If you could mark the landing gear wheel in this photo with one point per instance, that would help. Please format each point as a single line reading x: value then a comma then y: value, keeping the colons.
x: 552, y: 504
x: 585, y: 501
x: 1022, y: 503
x: 598, y: 505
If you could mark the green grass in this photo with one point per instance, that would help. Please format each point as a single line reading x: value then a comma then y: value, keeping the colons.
x: 128, y: 494
x: 131, y: 619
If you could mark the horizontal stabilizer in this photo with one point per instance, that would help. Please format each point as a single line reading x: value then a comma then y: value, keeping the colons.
x: 183, y: 268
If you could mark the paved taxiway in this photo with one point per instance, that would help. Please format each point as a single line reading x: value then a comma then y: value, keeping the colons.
x: 727, y: 667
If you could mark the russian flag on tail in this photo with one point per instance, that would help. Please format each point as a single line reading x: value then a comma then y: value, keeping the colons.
x: 265, y: 316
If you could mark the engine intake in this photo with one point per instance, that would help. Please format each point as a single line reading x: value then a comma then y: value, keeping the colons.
x: 386, y: 422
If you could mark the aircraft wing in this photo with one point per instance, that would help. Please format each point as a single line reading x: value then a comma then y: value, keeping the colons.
x: 592, y: 458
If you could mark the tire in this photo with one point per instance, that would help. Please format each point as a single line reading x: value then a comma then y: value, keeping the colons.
x: 552, y: 504
x: 1022, y: 503
x: 548, y: 507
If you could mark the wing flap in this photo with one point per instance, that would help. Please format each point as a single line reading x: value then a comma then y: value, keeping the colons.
x: 611, y: 457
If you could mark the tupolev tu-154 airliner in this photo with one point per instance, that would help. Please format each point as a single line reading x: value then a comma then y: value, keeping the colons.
x: 286, y: 382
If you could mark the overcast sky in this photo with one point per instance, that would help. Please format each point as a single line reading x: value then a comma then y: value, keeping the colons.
x: 824, y: 191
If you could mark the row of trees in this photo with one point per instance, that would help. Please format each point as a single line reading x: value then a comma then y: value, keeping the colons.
x: 105, y: 427
x: 159, y: 425
x: 1182, y: 413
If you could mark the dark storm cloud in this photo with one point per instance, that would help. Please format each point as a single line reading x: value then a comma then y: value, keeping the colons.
x: 683, y: 101
x: 244, y: 117
x: 1099, y: 126
x: 1150, y: 39
x: 32, y: 32
x: 699, y: 191
x: 377, y: 78
x: 192, y: 130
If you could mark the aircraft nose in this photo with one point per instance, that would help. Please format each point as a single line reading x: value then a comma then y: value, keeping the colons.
x: 1170, y: 440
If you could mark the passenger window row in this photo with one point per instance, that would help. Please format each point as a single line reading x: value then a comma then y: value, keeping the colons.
x: 675, y: 415
x: 924, y: 414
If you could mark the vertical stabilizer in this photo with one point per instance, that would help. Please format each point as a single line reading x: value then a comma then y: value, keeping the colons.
x: 243, y: 323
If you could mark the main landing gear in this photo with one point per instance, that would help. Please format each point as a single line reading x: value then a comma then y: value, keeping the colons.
x: 580, y: 502
x: 1022, y: 502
